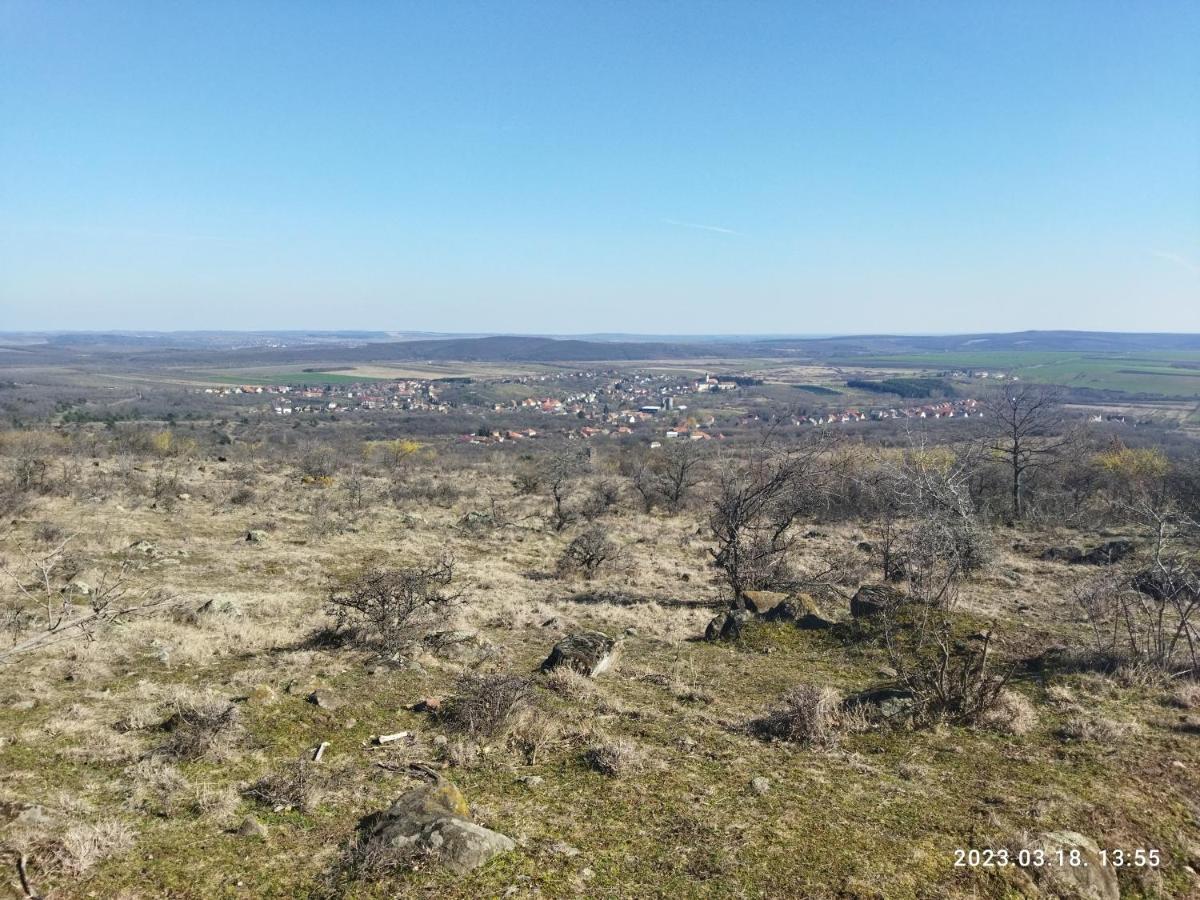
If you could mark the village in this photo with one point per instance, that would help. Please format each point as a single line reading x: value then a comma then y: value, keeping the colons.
x: 592, y: 403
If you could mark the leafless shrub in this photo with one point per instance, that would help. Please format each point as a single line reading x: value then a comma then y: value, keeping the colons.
x: 243, y: 496
x: 558, y: 473
x: 588, y: 551
x: 807, y: 714
x: 50, y: 533
x: 755, y: 506
x: 614, y: 758
x: 395, y: 608
x: 441, y: 492
x: 45, y: 611
x: 319, y: 461
x: 600, y: 499
x: 200, y: 726
x: 950, y: 680
x: 486, y: 706
x: 298, y: 786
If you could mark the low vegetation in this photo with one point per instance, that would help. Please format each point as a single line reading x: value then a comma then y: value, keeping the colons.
x: 231, y: 649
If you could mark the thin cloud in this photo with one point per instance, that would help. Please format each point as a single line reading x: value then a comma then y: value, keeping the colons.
x: 1188, y: 264
x: 717, y: 228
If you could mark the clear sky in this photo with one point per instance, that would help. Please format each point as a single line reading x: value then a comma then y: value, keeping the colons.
x: 560, y: 166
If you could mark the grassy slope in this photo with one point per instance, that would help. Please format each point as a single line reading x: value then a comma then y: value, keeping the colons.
x: 877, y: 816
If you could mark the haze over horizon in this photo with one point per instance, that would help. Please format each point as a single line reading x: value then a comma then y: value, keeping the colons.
x: 671, y: 169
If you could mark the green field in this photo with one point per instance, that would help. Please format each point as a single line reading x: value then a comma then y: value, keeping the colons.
x: 1165, y: 374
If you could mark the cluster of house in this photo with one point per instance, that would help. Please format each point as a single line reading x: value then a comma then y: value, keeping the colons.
x: 943, y: 409
x: 291, y: 399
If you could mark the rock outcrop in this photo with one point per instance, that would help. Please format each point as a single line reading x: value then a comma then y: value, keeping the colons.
x: 433, y: 821
x: 589, y: 653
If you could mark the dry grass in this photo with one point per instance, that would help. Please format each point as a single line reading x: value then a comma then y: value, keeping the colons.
x: 806, y: 714
x: 615, y: 757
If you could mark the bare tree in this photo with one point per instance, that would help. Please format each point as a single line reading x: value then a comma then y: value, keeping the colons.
x: 756, y: 505
x: 558, y: 473
x: 677, y: 470
x: 1025, y: 425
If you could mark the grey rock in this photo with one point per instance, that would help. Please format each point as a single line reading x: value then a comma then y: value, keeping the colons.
x: 432, y: 820
x: 252, y: 828
x: 587, y: 652
x: 324, y: 700
x: 760, y: 785
x: 728, y: 625
x: 256, y: 536
x: 1090, y: 881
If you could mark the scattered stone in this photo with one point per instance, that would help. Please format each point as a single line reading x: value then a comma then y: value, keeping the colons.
x: 562, y: 848
x: 324, y: 700
x: 433, y: 820
x: 587, y: 652
x: 256, y: 536
x: 883, y: 704
x: 873, y: 599
x: 426, y: 704
x: 531, y: 780
x: 1091, y: 880
x: 728, y: 625
x: 252, y: 828
x: 760, y: 785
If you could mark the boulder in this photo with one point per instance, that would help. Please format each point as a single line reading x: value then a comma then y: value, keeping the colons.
x: 433, y: 820
x: 324, y: 700
x: 873, y: 599
x: 1106, y: 554
x: 728, y: 625
x: 802, y: 611
x: 252, y: 828
x: 1089, y: 880
x: 256, y: 536
x: 587, y: 652
x: 762, y: 602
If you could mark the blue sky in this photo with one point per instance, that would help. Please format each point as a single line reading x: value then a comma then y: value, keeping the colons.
x: 564, y: 167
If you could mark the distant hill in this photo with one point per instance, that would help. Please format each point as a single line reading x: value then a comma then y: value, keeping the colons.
x: 334, y: 347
